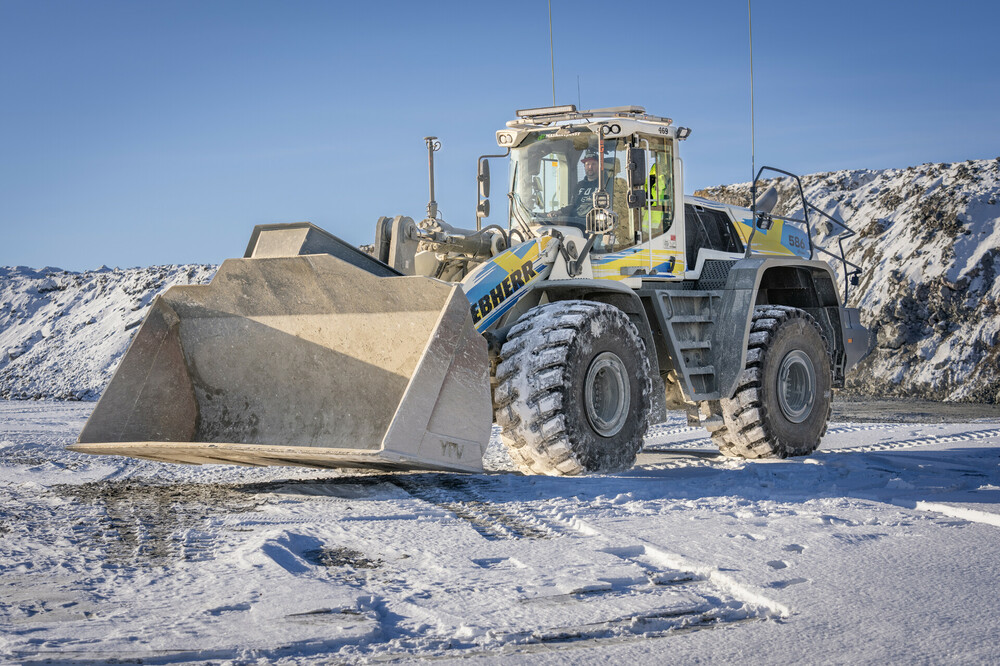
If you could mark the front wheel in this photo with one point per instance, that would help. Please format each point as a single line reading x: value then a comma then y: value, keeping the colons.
x: 782, y: 404
x: 574, y: 391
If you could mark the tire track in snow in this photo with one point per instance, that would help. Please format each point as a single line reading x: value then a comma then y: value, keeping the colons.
x: 866, y: 427
x: 667, y: 429
x: 663, y: 601
x: 460, y: 497
x: 659, y: 573
x: 968, y: 436
x: 662, y: 431
x: 143, y: 524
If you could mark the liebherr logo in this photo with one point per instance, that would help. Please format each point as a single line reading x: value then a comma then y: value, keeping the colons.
x: 502, y: 291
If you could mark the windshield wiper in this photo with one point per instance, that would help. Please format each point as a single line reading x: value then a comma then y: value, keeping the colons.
x: 521, y: 213
x: 518, y: 207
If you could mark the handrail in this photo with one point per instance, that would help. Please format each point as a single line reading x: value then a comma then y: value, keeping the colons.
x: 851, y: 270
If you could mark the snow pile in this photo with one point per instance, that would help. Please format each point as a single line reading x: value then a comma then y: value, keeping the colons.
x: 62, y: 333
x: 929, y: 245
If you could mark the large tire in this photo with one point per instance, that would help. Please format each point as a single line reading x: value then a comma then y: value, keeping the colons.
x: 574, y: 392
x: 782, y: 404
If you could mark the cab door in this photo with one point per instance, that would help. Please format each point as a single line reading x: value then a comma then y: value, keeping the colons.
x: 648, y: 242
x: 658, y: 218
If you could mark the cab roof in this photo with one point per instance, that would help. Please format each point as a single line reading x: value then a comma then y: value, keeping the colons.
x: 547, y: 115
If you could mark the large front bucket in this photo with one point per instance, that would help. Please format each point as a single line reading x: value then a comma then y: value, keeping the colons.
x: 304, y: 360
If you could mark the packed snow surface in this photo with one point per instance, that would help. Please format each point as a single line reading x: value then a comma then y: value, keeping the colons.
x: 881, y: 548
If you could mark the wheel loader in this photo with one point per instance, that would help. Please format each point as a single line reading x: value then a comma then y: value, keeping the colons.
x: 608, y: 298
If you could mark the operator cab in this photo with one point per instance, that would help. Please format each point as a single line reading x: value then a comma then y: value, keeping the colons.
x: 609, y: 173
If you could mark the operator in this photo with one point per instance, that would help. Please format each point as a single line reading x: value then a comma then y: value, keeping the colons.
x: 583, y: 198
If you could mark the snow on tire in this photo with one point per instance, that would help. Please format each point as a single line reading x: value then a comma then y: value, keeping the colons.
x: 782, y: 403
x: 573, y: 393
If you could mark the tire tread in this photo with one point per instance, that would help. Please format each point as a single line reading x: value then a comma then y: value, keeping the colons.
x: 746, y: 433
x: 536, y: 355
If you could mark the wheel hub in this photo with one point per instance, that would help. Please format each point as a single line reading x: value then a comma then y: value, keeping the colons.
x: 796, y: 386
x: 606, y: 394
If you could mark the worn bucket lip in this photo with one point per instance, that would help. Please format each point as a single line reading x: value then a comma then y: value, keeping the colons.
x: 232, y: 453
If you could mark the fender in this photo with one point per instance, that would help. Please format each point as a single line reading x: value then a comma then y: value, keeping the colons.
x: 848, y: 339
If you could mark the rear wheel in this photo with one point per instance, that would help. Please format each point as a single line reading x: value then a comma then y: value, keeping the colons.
x: 574, y: 391
x: 782, y: 404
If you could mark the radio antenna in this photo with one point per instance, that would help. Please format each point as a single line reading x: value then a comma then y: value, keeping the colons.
x: 753, y: 157
x: 552, y: 56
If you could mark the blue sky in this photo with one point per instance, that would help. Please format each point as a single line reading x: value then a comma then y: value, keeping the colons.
x: 135, y: 133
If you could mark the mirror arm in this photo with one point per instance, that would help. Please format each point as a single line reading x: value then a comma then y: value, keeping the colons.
x: 483, y: 191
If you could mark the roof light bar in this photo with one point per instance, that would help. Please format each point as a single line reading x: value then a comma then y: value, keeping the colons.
x: 549, y: 115
x: 546, y: 111
x: 613, y: 110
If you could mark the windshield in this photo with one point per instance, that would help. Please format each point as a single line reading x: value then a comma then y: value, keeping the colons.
x: 554, y: 178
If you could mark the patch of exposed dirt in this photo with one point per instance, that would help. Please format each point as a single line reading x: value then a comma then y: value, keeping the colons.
x: 143, y: 523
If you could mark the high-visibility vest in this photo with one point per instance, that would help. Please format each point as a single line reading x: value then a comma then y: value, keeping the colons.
x: 652, y: 219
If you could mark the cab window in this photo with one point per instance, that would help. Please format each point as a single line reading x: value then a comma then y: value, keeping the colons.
x: 658, y: 216
x: 549, y: 180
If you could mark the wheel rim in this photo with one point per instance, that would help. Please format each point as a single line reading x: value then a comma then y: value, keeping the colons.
x: 606, y: 394
x: 796, y: 386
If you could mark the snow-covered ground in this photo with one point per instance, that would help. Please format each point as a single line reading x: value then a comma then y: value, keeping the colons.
x: 880, y: 548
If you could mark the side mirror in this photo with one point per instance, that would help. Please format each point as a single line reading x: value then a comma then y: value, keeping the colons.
x: 636, y: 167
x: 767, y: 201
x: 483, y: 209
x: 484, y: 179
x: 635, y: 172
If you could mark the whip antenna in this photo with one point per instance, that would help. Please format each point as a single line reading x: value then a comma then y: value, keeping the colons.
x: 753, y: 162
x: 552, y: 56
